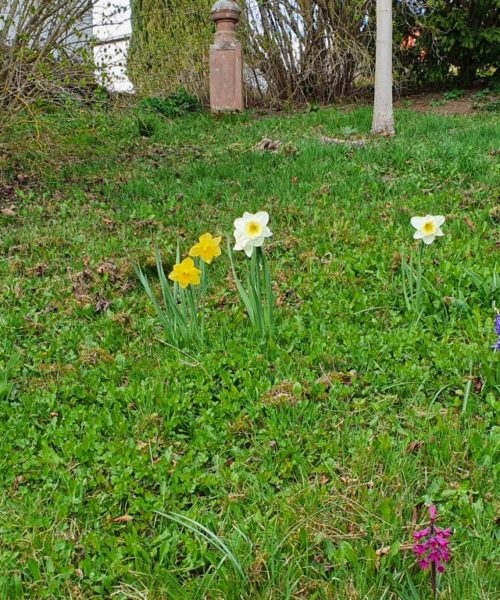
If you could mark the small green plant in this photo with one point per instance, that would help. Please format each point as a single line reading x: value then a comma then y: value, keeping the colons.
x: 487, y: 287
x: 491, y: 362
x: 482, y: 95
x: 175, y: 105
x: 6, y: 371
x: 147, y: 125
x: 492, y: 106
x: 454, y: 94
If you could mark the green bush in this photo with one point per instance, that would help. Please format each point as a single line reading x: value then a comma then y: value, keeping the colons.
x: 174, y: 105
x: 169, y: 46
x: 455, y: 39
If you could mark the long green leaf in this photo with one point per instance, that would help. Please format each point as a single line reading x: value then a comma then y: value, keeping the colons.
x: 241, y: 290
x: 269, y: 291
x: 209, y: 535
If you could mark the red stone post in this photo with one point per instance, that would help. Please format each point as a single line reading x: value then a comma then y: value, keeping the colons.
x: 226, y: 59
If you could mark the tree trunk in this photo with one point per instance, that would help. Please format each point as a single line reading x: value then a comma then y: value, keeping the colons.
x: 383, y: 115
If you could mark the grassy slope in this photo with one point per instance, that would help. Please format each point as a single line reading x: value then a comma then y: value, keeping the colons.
x: 305, y: 482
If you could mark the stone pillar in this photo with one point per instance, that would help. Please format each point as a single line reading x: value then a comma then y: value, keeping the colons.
x: 226, y: 59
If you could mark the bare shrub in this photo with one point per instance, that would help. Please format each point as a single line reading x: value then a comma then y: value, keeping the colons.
x: 308, y: 49
x: 45, y: 50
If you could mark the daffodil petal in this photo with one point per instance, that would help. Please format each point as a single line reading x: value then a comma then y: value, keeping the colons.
x: 439, y: 220
x: 262, y: 217
x: 428, y: 239
x: 257, y: 242
x: 241, y: 242
x: 418, y: 235
x: 417, y: 222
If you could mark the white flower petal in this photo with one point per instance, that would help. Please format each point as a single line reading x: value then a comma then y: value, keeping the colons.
x: 439, y: 220
x: 417, y: 222
x: 418, y: 235
x: 428, y: 239
x: 261, y: 217
x: 248, y: 250
x: 439, y: 233
x: 258, y: 241
x: 241, y: 240
x: 266, y: 232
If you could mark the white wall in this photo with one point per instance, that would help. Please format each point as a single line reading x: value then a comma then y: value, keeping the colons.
x: 112, y: 28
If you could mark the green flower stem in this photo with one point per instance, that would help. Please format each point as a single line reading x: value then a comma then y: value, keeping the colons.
x: 203, y: 300
x: 419, y: 278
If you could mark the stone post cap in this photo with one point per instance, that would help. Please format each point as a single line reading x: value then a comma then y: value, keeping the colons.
x: 225, y: 9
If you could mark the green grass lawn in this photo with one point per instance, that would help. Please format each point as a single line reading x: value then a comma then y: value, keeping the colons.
x: 312, y: 457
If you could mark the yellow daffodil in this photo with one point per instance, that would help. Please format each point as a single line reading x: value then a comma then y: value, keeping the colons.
x: 185, y: 273
x: 207, y: 248
x: 428, y: 227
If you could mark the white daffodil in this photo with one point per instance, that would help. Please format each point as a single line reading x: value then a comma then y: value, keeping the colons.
x: 428, y: 228
x: 250, y: 231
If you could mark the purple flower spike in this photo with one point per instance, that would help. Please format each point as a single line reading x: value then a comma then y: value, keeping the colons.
x: 496, y: 347
x: 433, y: 513
x: 418, y: 535
x: 432, y: 545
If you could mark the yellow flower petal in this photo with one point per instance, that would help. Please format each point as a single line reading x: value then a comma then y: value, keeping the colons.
x: 207, y: 248
x: 185, y: 273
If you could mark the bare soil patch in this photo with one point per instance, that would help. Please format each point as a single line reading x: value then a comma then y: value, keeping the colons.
x: 435, y: 102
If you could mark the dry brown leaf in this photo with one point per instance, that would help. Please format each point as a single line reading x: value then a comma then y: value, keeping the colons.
x: 101, y: 304
x: 468, y: 221
x: 38, y: 271
x: 381, y: 552
x: 269, y: 145
x: 414, y: 447
x: 109, y: 222
x: 17, y: 482
x: 123, y: 519
x: 9, y: 211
